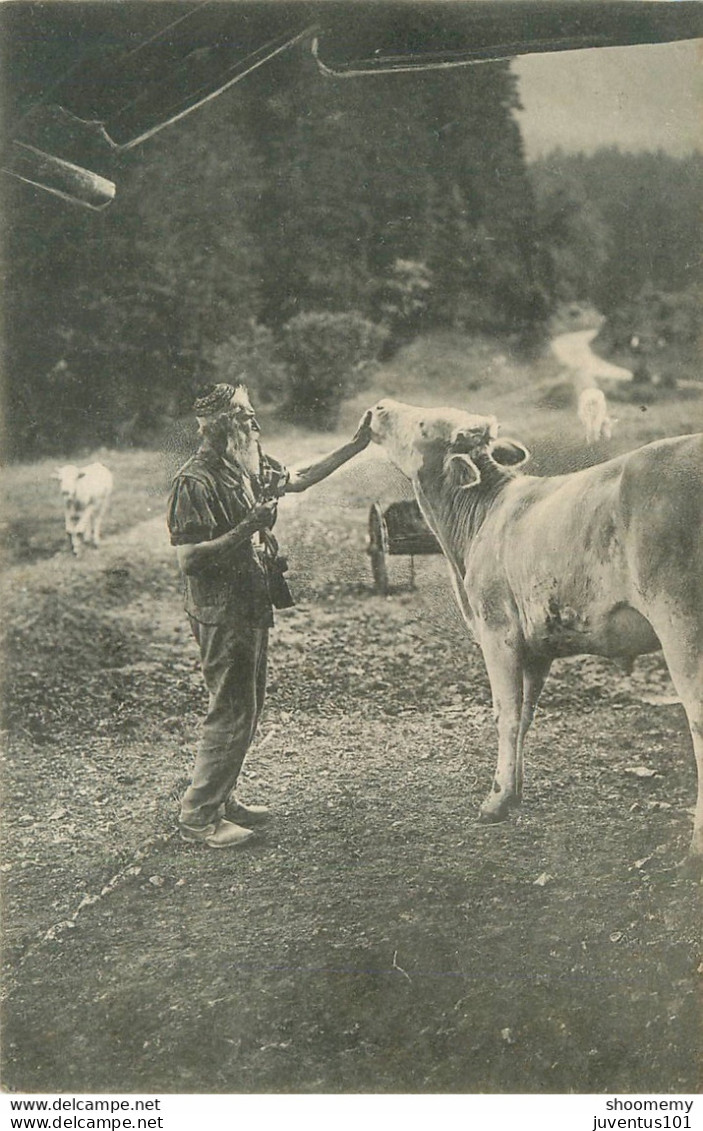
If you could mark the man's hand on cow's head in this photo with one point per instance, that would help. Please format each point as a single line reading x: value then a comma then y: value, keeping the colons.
x: 362, y: 437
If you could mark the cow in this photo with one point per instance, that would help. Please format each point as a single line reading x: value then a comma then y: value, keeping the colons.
x: 593, y: 414
x: 607, y: 561
x: 86, y: 493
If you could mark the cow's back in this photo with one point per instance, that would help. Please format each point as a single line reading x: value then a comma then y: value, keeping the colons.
x: 94, y: 484
x: 661, y: 509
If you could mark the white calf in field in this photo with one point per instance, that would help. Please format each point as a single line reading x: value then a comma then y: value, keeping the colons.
x: 593, y: 414
x: 86, y: 493
x: 607, y: 561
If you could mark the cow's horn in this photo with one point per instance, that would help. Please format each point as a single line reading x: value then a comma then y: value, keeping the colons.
x: 470, y: 440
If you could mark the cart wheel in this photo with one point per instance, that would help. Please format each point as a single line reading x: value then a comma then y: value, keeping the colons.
x: 378, y: 548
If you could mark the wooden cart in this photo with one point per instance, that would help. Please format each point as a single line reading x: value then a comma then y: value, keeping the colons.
x: 400, y: 529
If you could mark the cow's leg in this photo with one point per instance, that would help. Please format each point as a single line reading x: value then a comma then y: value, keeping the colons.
x: 683, y: 657
x: 84, y: 527
x: 505, y: 671
x: 88, y: 526
x: 534, y: 674
x: 73, y: 539
x: 695, y: 720
x: 98, y: 522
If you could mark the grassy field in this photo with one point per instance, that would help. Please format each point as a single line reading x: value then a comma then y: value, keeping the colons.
x: 535, y: 401
x: 377, y: 938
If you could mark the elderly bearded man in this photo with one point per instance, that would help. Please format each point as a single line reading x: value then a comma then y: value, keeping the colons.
x: 223, y: 497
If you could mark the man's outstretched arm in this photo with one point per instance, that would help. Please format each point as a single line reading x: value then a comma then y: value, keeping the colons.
x: 303, y: 477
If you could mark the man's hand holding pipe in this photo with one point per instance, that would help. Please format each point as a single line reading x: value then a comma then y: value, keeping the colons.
x: 262, y: 516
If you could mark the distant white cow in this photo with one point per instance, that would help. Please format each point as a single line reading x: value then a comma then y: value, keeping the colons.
x: 593, y: 414
x: 86, y: 492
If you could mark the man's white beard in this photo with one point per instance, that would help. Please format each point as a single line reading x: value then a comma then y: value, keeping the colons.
x: 244, y: 448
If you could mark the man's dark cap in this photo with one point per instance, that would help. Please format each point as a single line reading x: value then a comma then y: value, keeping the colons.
x: 214, y: 398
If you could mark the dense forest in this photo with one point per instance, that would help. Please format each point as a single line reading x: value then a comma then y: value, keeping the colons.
x: 616, y: 224
x: 298, y: 219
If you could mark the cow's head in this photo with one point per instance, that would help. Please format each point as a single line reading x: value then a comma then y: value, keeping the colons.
x: 67, y: 477
x: 450, y: 441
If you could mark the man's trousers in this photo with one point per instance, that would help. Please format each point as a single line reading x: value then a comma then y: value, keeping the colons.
x: 233, y: 658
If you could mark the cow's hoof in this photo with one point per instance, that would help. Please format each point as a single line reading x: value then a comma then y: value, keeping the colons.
x: 491, y: 818
x: 492, y: 814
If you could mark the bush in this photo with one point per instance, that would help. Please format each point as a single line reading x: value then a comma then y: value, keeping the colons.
x: 329, y: 357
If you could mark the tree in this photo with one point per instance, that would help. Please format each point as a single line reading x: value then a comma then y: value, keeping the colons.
x: 291, y: 194
x: 613, y: 224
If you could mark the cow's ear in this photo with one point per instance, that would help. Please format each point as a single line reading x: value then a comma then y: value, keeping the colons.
x: 508, y: 453
x: 55, y: 475
x: 463, y: 471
